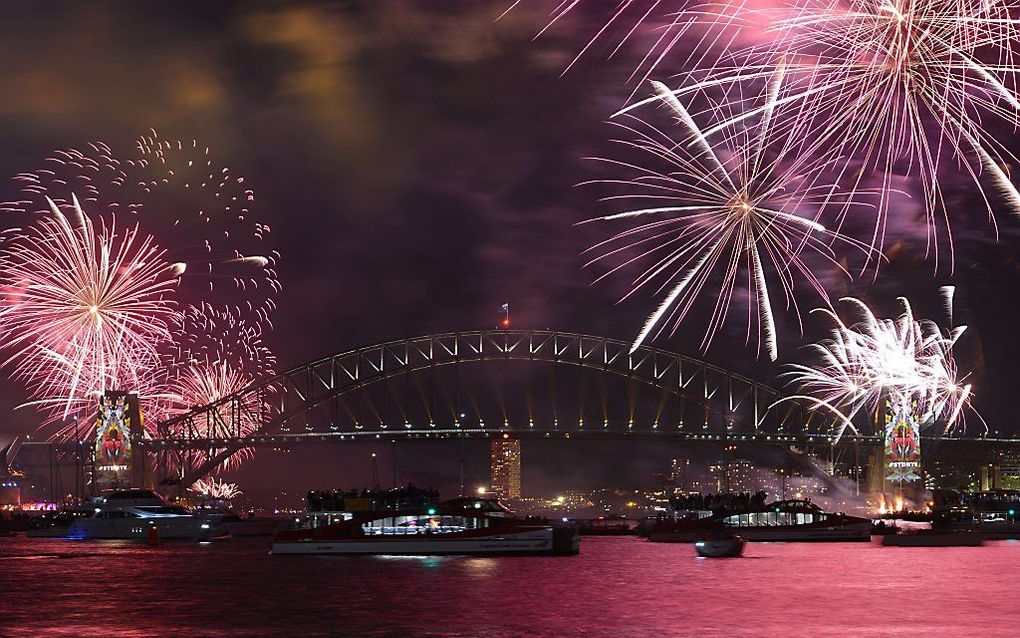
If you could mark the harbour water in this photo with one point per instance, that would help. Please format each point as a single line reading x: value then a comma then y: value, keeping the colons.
x: 616, y: 587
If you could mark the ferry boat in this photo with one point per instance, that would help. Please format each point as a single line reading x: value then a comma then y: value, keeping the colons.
x: 460, y: 526
x: 607, y: 526
x: 995, y: 513
x: 786, y: 521
x: 134, y: 513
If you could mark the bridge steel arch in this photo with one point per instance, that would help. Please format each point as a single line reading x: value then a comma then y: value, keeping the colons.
x: 307, y: 402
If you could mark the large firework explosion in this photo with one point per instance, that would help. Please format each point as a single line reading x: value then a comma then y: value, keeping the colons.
x: 180, y: 207
x: 871, y: 360
x: 84, y: 308
x: 739, y: 210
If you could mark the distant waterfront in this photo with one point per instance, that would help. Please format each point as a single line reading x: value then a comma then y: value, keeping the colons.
x: 616, y: 587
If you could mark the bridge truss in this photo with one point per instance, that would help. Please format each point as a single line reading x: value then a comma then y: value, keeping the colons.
x: 533, y: 383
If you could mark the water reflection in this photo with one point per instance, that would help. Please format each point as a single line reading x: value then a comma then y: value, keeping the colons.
x: 616, y: 586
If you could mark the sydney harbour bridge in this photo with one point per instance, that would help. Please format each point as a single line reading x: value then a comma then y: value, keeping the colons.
x: 524, y: 383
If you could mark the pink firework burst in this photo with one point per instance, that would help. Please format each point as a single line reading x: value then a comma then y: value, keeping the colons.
x: 196, y: 207
x: 709, y: 217
x: 215, y: 354
x: 200, y: 213
x: 84, y: 309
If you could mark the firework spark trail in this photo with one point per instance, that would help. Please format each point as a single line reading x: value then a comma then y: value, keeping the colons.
x: 83, y: 309
x: 867, y: 360
x: 745, y: 201
x: 670, y: 21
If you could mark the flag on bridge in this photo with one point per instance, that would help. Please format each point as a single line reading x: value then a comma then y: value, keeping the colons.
x: 505, y: 311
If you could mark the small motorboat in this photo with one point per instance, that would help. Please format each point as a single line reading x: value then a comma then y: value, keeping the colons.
x: 932, y: 538
x: 720, y: 546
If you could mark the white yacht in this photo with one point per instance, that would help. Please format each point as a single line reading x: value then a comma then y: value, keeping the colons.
x: 134, y: 513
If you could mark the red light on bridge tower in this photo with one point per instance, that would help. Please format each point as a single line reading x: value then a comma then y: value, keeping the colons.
x: 505, y: 311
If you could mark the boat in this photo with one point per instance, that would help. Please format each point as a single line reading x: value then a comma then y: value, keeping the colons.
x: 995, y: 514
x: 459, y: 526
x: 881, y: 528
x: 134, y: 513
x: 238, y: 526
x: 607, y: 526
x: 785, y: 521
x: 720, y: 545
x: 932, y: 538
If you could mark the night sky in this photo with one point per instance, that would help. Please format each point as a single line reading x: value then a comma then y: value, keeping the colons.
x: 417, y: 162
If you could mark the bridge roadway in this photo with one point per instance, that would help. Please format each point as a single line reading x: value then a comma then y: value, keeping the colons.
x: 663, y: 434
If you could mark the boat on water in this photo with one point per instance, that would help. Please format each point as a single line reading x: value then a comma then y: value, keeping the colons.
x: 932, y: 538
x: 607, y: 526
x: 135, y: 513
x: 722, y: 544
x: 784, y: 521
x: 995, y: 514
x: 239, y: 526
x: 458, y: 526
x: 882, y: 528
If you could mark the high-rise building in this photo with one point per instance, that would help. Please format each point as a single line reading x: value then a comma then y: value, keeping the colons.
x: 1009, y: 468
x: 505, y: 467
x: 739, y: 475
x: 687, y: 479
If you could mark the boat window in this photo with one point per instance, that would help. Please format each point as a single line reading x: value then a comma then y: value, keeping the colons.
x: 411, y: 525
x: 162, y: 509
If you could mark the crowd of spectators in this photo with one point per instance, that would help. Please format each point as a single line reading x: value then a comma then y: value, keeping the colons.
x: 338, y: 500
x: 741, y: 501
